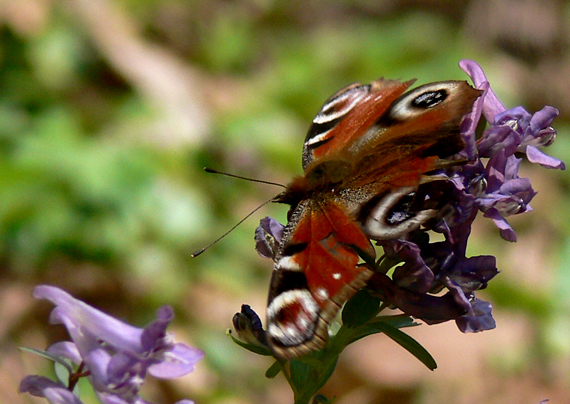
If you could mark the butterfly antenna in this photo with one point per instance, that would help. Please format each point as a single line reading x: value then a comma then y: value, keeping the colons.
x: 200, y: 251
x: 212, y: 171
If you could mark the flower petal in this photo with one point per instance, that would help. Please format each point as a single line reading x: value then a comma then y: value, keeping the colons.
x: 498, y: 138
x: 478, y: 319
x: 414, y: 275
x: 66, y: 349
x: 107, y: 398
x: 41, y: 386
x: 505, y: 229
x: 97, y: 361
x: 249, y: 327
x: 115, y: 332
x: 541, y: 121
x: 178, y: 361
x: 155, y: 332
x: 491, y: 106
x: 473, y: 273
x: 429, y: 308
x: 536, y: 156
x: 268, y: 235
x: 470, y: 122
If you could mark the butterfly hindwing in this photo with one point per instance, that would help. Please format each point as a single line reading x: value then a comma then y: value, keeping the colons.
x: 315, y: 273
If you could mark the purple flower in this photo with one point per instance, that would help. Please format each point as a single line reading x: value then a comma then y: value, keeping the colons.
x: 414, y: 275
x: 427, y: 307
x: 491, y: 183
x: 249, y: 327
x: 40, y: 386
x: 67, y: 350
x: 505, y: 194
x: 514, y: 129
x: 117, y: 355
x: 501, y: 192
x: 478, y: 319
x: 473, y: 273
x: 488, y: 103
x: 268, y: 235
x: 449, y: 268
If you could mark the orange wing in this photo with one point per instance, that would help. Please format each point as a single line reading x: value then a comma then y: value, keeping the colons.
x: 313, y: 276
x: 346, y: 116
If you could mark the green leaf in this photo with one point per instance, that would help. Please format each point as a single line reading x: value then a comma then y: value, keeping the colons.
x: 44, y: 354
x: 300, y: 372
x: 313, y: 360
x: 62, y: 373
x: 398, y: 321
x: 327, y: 373
x: 379, y: 325
x: 403, y: 339
x: 260, y: 350
x: 320, y: 399
x: 308, y: 379
x: 273, y: 370
x: 361, y: 308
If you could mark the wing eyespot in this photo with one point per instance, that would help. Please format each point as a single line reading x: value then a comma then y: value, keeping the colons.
x: 419, y: 100
x: 429, y: 99
x: 391, y: 216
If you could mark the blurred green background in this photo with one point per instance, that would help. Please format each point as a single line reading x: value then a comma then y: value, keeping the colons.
x: 109, y: 110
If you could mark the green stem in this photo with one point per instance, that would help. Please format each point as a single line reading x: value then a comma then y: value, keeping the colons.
x: 311, y: 388
x: 328, y: 359
x: 285, y: 370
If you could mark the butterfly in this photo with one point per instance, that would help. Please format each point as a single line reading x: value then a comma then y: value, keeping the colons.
x: 366, y: 154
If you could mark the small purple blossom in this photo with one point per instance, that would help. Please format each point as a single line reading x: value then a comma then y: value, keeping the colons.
x: 67, y: 350
x: 450, y: 269
x: 40, y: 386
x: 249, y: 327
x: 488, y: 104
x: 478, y: 319
x: 502, y: 193
x: 506, y: 194
x: 116, y: 355
x: 414, y: 274
x: 515, y: 128
x: 268, y: 235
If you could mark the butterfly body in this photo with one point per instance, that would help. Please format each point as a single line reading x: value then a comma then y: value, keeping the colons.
x: 368, y: 147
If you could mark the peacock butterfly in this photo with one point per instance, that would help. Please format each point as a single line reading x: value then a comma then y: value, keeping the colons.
x: 367, y: 150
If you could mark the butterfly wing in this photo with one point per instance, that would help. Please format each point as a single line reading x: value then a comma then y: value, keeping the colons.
x: 375, y: 124
x: 314, y: 274
x: 345, y: 116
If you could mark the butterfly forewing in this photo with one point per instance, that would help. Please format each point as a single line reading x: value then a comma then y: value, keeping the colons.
x: 346, y: 116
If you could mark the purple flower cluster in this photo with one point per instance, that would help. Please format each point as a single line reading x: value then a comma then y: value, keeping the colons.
x: 498, y: 190
x: 489, y: 183
x: 114, y: 355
